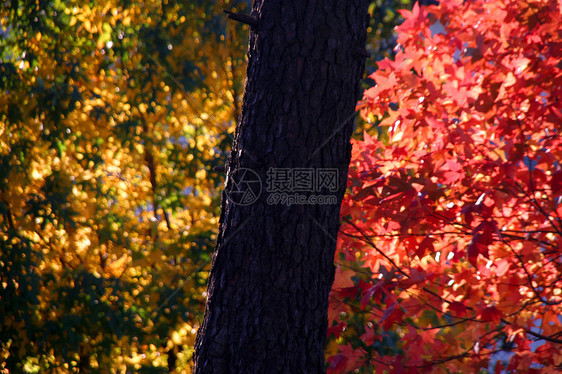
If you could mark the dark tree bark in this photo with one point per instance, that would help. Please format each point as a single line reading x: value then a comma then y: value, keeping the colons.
x: 273, y: 265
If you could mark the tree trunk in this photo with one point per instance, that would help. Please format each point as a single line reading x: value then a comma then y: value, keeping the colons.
x: 273, y: 266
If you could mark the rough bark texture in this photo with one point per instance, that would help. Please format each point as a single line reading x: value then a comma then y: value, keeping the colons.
x: 273, y: 265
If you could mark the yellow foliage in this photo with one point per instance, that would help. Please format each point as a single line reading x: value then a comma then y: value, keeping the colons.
x: 113, y: 118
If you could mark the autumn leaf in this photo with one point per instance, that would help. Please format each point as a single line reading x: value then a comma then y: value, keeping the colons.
x: 426, y: 245
x: 491, y: 314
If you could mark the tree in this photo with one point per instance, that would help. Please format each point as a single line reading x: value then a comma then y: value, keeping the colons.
x: 273, y: 265
x: 113, y: 118
x: 450, y: 248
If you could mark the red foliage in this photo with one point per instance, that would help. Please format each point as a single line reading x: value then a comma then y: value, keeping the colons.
x: 455, y: 206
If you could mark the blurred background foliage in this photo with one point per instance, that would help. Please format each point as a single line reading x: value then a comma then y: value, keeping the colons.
x: 113, y: 117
